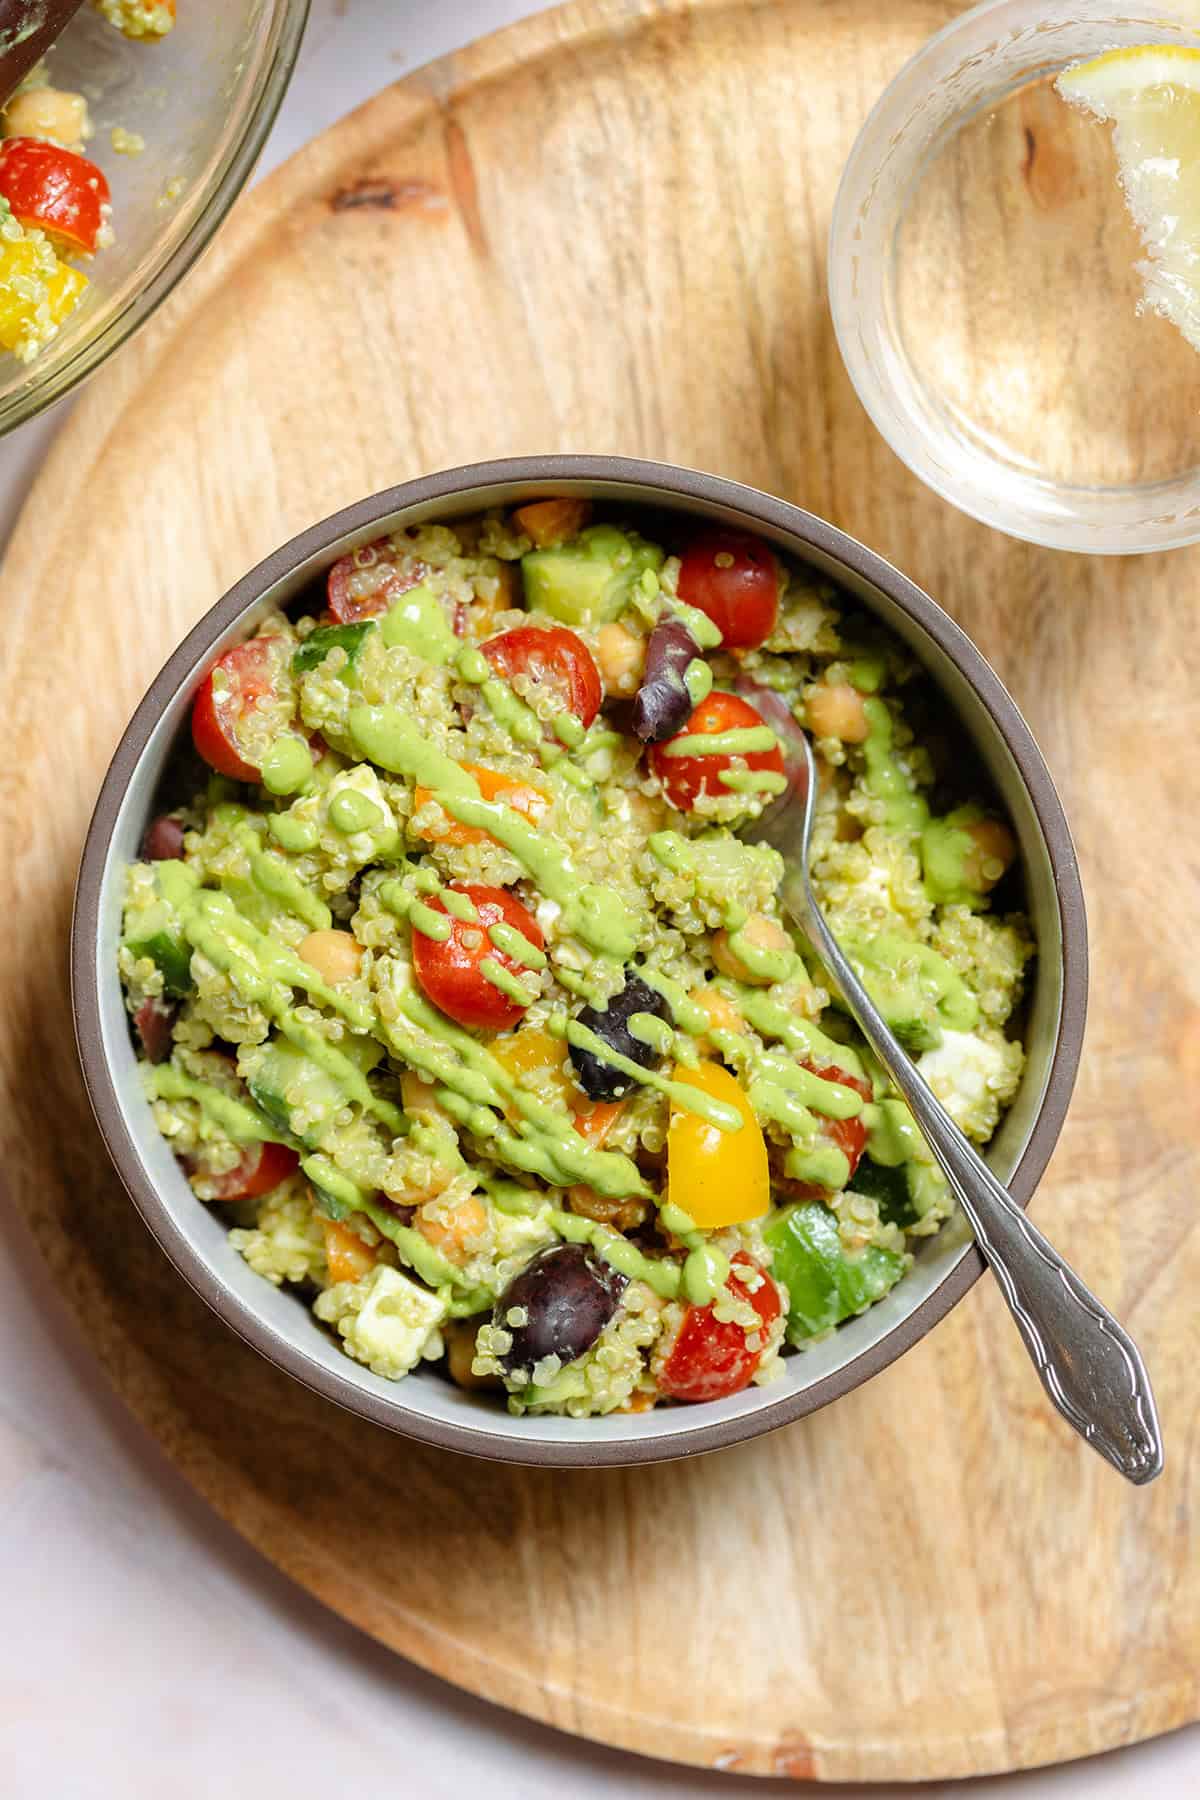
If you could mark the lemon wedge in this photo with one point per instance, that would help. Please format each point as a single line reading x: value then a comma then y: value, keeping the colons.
x: 1152, y: 96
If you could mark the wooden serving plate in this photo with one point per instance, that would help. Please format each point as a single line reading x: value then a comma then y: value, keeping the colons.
x: 604, y: 229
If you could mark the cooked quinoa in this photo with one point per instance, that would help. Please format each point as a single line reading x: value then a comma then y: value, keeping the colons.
x: 459, y: 995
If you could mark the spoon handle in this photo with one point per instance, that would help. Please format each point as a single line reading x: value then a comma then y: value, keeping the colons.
x: 1088, y: 1364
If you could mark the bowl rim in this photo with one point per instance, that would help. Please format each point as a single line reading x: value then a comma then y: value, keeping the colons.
x: 662, y: 482
x: 34, y: 396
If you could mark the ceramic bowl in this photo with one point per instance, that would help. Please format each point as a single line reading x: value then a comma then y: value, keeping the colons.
x: 426, y: 1405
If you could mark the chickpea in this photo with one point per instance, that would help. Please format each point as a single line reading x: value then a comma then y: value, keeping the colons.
x: 764, y: 934
x: 460, y: 1337
x: 48, y: 113
x: 621, y: 658
x: 623, y: 1214
x: 452, y: 1225
x: 335, y: 955
x: 837, y: 711
x: 995, y: 850
x: 550, y: 522
x: 417, y: 1097
x: 723, y: 1015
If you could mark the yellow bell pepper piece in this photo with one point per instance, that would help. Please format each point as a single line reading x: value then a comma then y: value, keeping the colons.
x: 716, y: 1177
x: 37, y: 292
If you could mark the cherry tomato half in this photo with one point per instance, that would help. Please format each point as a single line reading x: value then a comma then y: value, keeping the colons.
x: 364, y: 584
x: 711, y: 1358
x: 556, y: 659
x: 242, y: 680
x: 735, y: 580
x: 685, y: 778
x: 847, y: 1135
x: 54, y: 190
x: 262, y: 1168
x: 450, y: 969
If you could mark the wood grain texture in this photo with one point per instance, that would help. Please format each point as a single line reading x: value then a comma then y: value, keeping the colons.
x: 605, y: 230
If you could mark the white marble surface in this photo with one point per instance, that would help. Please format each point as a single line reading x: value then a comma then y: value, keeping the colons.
x: 145, y: 1649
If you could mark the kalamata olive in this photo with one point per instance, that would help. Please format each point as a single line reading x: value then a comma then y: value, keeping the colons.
x: 568, y: 1296
x: 598, y: 1079
x: 163, y: 840
x: 663, y: 705
x: 153, y: 1022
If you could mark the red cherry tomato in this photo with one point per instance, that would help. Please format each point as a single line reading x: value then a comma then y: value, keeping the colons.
x: 450, y: 969
x: 242, y: 679
x: 554, y: 657
x: 262, y: 1168
x: 848, y: 1135
x: 735, y: 580
x: 685, y: 778
x: 711, y: 1357
x: 54, y: 190
x: 364, y: 584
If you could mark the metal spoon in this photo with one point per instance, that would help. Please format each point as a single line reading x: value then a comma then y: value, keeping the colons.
x: 1088, y: 1364
x: 27, y: 30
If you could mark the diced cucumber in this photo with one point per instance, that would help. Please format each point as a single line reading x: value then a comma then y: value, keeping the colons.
x: 826, y: 1283
x: 888, y: 1186
x: 286, y: 1083
x: 170, y: 952
x: 155, y: 930
x: 590, y: 580
x: 325, y: 638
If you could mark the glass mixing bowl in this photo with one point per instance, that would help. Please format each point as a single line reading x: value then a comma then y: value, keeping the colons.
x: 204, y: 99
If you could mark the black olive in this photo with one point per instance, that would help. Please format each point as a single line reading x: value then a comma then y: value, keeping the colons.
x: 598, y: 1079
x: 568, y: 1296
x: 663, y: 705
x: 154, y: 1021
x: 163, y: 840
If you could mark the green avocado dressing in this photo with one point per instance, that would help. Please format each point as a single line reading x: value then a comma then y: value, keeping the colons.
x: 263, y: 968
x: 892, y: 1135
x: 886, y: 781
x: 799, y: 1035
x: 287, y: 765
x: 666, y: 1278
x: 508, y: 709
x: 418, y: 621
x: 570, y: 729
x: 753, y: 781
x: 506, y: 982
x: 705, y: 1274
x: 604, y: 922
x: 744, y: 740
x: 767, y: 964
x: 271, y: 875
x: 946, y: 845
x: 682, y: 1094
x: 460, y: 906
x: 698, y: 680
x: 888, y: 963
x: 516, y: 945
x: 350, y: 811
x: 478, y: 1088
x: 701, y: 627
x: 821, y: 1164
x: 780, y: 1086
x: 295, y: 835
x: 232, y: 1117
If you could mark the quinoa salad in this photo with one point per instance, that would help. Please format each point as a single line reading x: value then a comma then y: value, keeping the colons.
x: 459, y: 998
x: 55, y: 202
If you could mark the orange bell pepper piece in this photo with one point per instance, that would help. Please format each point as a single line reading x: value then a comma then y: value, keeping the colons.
x: 529, y: 801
